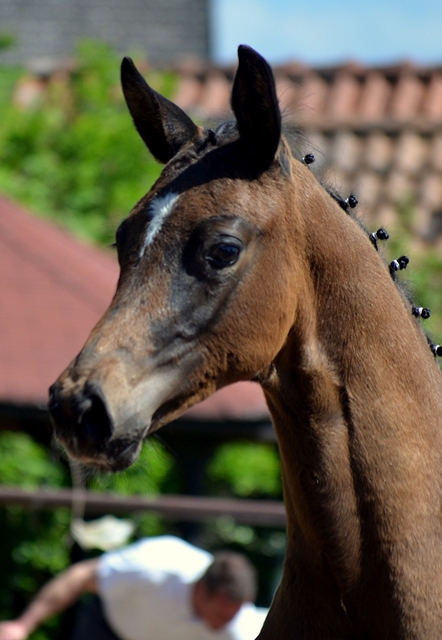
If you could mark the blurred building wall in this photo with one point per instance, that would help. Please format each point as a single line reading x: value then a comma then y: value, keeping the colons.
x: 164, y: 30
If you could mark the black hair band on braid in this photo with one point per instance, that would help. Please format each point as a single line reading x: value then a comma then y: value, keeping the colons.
x: 352, y: 201
x: 436, y: 349
x: 394, y: 266
x: 345, y: 203
x: 421, y: 312
x: 398, y: 265
x: 380, y: 234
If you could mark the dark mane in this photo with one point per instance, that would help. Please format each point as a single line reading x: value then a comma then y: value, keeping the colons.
x: 298, y: 140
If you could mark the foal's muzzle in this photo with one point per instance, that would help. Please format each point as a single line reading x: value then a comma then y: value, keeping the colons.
x: 83, y: 424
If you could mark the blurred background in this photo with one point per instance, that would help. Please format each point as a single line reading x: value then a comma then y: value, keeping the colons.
x: 364, y: 84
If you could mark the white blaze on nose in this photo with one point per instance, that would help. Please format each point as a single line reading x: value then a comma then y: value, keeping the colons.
x: 159, y: 209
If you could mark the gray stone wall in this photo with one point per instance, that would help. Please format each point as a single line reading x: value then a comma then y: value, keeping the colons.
x: 164, y: 29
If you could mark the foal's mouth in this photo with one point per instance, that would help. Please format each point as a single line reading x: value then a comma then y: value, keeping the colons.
x: 117, y: 455
x: 84, y: 426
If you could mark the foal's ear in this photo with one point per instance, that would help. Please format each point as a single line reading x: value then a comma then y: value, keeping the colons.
x: 256, y: 108
x: 163, y: 126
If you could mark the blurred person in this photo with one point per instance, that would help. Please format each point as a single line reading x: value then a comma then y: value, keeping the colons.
x: 155, y: 589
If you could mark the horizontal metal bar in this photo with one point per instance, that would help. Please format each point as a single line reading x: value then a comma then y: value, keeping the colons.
x: 263, y: 513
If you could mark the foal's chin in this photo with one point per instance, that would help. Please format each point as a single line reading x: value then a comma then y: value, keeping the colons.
x: 113, y: 456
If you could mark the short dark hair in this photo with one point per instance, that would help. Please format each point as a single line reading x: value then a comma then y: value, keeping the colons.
x: 231, y: 574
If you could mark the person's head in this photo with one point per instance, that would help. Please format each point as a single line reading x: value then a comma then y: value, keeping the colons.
x: 228, y: 582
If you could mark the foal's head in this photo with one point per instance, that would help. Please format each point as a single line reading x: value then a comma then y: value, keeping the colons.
x: 207, y: 291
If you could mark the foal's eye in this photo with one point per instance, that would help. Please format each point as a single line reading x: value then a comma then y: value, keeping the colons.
x: 223, y: 255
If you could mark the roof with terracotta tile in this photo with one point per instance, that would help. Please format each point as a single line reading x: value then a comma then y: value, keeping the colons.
x: 374, y: 131
x: 53, y: 290
x: 239, y: 401
x: 350, y: 93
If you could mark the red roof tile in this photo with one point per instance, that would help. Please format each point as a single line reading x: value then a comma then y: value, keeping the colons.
x: 214, y: 99
x: 240, y: 401
x: 54, y: 289
x: 431, y: 187
x: 435, y: 151
x: 312, y: 101
x: 374, y: 97
x: 432, y: 101
x: 407, y: 97
x: 374, y: 128
x: 378, y: 152
x: 343, y: 96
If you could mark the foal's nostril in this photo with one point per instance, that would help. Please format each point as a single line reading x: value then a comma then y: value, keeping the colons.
x: 55, y: 409
x: 95, y: 420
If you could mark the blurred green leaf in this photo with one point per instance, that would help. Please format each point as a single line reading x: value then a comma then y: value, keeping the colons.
x: 7, y: 41
x: 25, y: 463
x: 73, y: 154
x: 247, y: 469
x: 146, y: 477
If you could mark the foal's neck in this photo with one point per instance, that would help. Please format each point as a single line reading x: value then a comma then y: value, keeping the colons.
x: 352, y: 326
x: 353, y: 385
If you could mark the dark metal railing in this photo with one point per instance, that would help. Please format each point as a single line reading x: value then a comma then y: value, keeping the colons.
x: 265, y: 513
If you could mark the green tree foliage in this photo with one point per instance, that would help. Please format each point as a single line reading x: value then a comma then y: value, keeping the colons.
x: 73, y: 155
x: 33, y: 543
x: 7, y: 40
x: 153, y: 468
x: 26, y: 463
x: 249, y: 469
x: 422, y: 279
x: 36, y: 544
x: 153, y: 473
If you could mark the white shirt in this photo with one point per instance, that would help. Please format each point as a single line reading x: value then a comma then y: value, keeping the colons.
x: 146, y: 593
